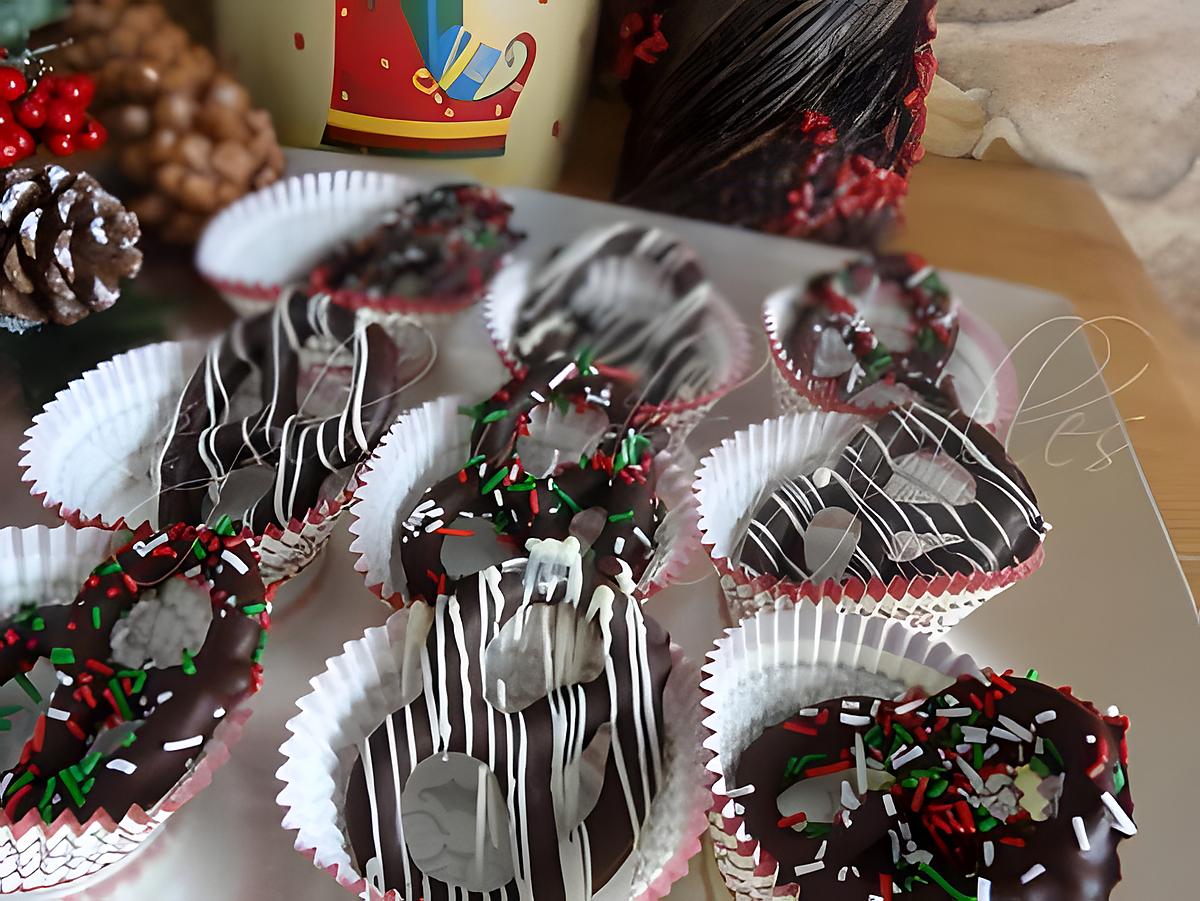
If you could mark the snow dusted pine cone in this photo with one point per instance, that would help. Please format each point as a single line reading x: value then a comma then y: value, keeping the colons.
x: 67, y: 243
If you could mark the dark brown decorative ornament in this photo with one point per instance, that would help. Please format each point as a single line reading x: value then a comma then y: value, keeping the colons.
x: 67, y: 243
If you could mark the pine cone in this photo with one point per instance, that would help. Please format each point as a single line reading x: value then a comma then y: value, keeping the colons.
x: 192, y: 136
x: 67, y: 243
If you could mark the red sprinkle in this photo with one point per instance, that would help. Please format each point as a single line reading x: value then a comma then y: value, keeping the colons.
x: 788, y: 822
x: 815, y: 771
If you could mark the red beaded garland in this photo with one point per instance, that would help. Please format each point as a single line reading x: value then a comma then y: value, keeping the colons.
x: 52, y: 112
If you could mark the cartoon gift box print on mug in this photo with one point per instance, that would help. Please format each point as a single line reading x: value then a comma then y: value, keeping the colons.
x: 413, y: 77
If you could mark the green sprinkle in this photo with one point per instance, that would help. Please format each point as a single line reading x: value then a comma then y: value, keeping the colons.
x: 495, y: 480
x: 817, y: 830
x: 61, y: 656
x: 262, y: 645
x: 474, y: 461
x: 189, y: 665
x: 584, y: 361
x: 10, y: 709
x: 37, y: 624
x: 119, y: 697
x: 874, y: 736
x: 945, y: 886
x: 198, y: 551
x: 1054, y: 752
x: 567, y: 499
x: 1032, y: 674
x: 95, y: 617
x: 44, y: 804
x: 977, y: 756
x: 72, y: 787
x: 926, y: 340
x: 1039, y: 766
x: 89, y: 763
x: 1118, y: 779
x: 621, y: 517
x: 28, y: 688
x: 224, y: 525
x: 252, y: 609
x: 107, y: 569
x: 620, y: 461
x: 936, y: 789
x: 987, y: 824
x: 495, y: 416
x: 933, y: 283
x: 473, y: 412
x: 20, y: 782
x: 904, y: 733
x: 138, y: 676
x: 910, y: 782
x: 128, y: 740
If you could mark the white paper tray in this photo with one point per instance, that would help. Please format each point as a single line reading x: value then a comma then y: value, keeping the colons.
x: 1109, y: 613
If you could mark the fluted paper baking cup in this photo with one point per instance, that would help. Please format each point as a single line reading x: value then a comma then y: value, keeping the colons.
x: 91, y: 454
x: 981, y: 367
x: 778, y: 662
x: 362, y: 686
x: 728, y: 344
x: 730, y: 484
x: 46, y: 566
x: 276, y: 236
x: 429, y: 444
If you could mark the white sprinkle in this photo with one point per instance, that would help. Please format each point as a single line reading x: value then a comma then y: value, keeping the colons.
x: 972, y: 776
x: 64, y: 678
x: 889, y: 804
x: 821, y: 850
x: 855, y: 719
x: 641, y: 536
x: 1113, y: 710
x: 1004, y: 734
x: 1032, y: 873
x: 184, y: 743
x: 983, y: 890
x: 1121, y: 821
x: 809, y: 711
x: 618, y: 544
x: 849, y: 801
x: 905, y: 831
x: 842, y: 874
x: 1039, y: 746
x: 1081, y: 837
x: 434, y: 526
x: 900, y: 759
x: 904, y: 709
x: 875, y: 707
x: 851, y: 705
x: 218, y: 713
x: 739, y: 792
x: 805, y: 868
x: 975, y: 735
x: 55, y: 714
x: 1090, y: 739
x: 952, y: 712
x: 164, y: 697
x: 895, y: 846
x: 1016, y: 728
x: 122, y: 766
x: 1046, y: 716
x: 235, y: 561
x: 860, y: 763
x: 989, y: 853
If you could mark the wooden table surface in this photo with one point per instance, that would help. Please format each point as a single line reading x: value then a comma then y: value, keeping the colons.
x: 1015, y: 222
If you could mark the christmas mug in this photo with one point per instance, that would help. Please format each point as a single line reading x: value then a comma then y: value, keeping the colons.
x: 488, y: 88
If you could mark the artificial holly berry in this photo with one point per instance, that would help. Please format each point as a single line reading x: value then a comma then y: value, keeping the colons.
x: 44, y: 89
x: 63, y: 116
x: 78, y: 90
x: 93, y: 136
x: 31, y: 112
x: 59, y: 143
x: 12, y: 83
x: 26, y: 145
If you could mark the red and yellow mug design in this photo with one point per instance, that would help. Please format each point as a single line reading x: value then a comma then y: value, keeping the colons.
x: 412, y: 77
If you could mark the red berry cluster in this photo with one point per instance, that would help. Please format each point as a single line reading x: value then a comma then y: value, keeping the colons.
x: 53, y: 112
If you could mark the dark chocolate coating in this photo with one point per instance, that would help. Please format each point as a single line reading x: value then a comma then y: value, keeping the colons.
x: 933, y: 330
x: 542, y: 512
x: 1001, y: 527
x: 1018, y: 842
x: 182, y: 703
x: 609, y: 827
x: 205, y: 445
x: 443, y: 245
x: 717, y: 129
x: 644, y: 313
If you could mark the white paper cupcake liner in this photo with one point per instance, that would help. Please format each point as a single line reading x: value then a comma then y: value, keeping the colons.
x: 91, y: 454
x: 778, y: 662
x: 729, y: 486
x: 362, y: 686
x: 429, y: 444
x: 45, y: 565
x: 729, y: 344
x: 981, y: 367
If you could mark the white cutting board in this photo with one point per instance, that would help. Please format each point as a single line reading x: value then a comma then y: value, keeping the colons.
x: 1109, y: 613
